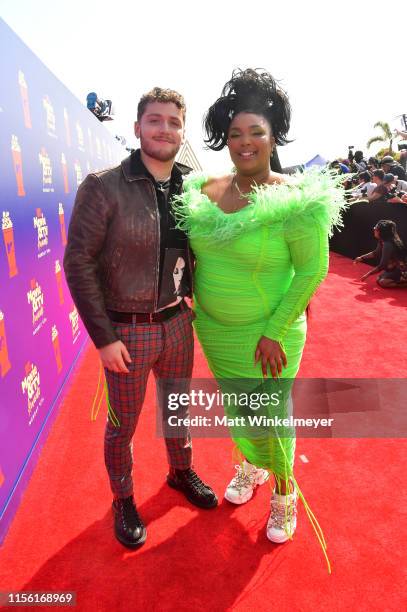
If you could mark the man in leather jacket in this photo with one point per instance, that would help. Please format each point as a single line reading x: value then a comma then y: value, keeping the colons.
x: 128, y: 269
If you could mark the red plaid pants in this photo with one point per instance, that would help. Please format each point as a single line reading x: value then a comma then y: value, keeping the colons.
x: 166, y: 348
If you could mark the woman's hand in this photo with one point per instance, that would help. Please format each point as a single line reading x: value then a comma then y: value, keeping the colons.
x: 271, y: 355
x: 365, y: 276
x: 357, y: 260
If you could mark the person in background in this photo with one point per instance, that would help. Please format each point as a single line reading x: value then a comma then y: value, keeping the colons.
x: 359, y: 161
x: 365, y: 186
x: 392, y: 256
x: 389, y: 165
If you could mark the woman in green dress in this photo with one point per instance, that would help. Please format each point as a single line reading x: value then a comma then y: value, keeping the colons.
x: 260, y: 239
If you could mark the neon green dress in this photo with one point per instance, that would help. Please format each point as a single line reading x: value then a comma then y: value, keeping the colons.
x: 256, y: 270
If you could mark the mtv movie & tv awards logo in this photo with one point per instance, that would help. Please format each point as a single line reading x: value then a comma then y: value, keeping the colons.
x: 47, y: 185
x: 35, y: 297
x: 40, y: 223
x: 30, y: 386
x: 74, y: 319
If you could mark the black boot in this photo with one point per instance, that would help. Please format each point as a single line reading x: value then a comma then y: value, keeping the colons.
x: 128, y: 526
x: 189, y: 483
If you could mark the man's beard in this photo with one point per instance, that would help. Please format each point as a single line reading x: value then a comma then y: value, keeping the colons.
x: 156, y: 153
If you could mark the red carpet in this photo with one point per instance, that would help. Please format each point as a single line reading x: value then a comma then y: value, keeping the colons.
x: 61, y: 538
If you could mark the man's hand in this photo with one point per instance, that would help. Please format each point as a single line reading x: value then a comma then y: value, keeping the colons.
x: 113, y: 357
x: 271, y: 355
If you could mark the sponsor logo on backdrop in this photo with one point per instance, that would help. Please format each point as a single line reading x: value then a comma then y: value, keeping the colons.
x: 49, y: 116
x: 61, y: 215
x: 24, y: 99
x: 57, y: 349
x: 35, y: 297
x: 45, y: 161
x: 90, y: 142
x: 78, y: 173
x: 79, y: 134
x: 74, y: 319
x: 98, y: 148
x: 67, y: 129
x: 30, y: 386
x: 8, y: 237
x: 5, y: 364
x: 65, y: 173
x: 40, y: 223
x: 18, y: 165
x: 58, y: 274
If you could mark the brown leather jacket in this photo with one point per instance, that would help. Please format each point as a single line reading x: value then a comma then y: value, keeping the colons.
x: 112, y: 257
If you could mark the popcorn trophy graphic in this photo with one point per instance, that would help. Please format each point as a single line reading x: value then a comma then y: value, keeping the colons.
x: 65, y: 173
x: 18, y: 165
x: 8, y: 236
x: 57, y: 349
x: 24, y: 99
x: 5, y: 364
x: 62, y: 223
x: 58, y: 274
x: 67, y: 130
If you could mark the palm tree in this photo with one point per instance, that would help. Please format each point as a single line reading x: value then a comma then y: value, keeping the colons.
x: 385, y: 136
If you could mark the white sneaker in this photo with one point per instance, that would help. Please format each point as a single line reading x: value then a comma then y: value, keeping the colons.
x: 283, y: 518
x: 246, y: 479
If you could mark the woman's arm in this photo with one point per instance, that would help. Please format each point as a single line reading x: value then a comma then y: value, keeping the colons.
x: 307, y: 240
x: 375, y: 253
x: 386, y: 255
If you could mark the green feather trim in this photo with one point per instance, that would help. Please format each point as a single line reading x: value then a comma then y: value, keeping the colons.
x: 313, y: 193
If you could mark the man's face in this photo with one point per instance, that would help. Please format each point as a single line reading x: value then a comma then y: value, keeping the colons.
x: 161, y: 130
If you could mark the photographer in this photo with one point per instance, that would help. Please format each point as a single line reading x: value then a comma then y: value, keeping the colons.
x: 365, y: 186
x: 392, y: 254
x: 385, y: 191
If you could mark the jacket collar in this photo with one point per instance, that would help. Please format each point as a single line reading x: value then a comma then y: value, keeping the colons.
x: 133, y: 168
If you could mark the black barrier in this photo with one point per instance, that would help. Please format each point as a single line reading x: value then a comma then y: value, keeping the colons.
x: 356, y: 237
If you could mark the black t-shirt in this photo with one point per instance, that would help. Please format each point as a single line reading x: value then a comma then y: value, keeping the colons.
x: 174, y: 281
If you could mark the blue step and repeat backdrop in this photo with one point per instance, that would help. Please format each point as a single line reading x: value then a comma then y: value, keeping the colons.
x: 49, y: 141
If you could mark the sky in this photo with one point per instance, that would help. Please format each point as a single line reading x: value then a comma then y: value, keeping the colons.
x: 341, y: 67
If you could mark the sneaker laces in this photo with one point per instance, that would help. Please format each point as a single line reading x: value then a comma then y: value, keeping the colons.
x: 283, y: 513
x: 242, y: 479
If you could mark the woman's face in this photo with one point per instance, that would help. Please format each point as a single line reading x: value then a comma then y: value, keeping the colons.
x: 250, y: 143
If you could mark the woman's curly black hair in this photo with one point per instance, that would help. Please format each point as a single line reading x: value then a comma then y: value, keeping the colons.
x: 388, y: 233
x: 250, y: 91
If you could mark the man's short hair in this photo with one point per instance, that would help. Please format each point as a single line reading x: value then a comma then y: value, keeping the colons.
x: 160, y: 95
x: 379, y: 174
x: 389, y: 177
